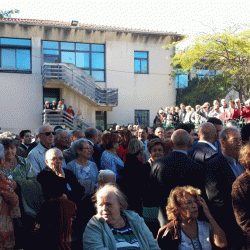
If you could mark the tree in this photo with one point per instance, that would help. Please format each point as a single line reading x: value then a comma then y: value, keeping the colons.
x: 227, y: 53
x: 7, y: 13
x: 202, y: 90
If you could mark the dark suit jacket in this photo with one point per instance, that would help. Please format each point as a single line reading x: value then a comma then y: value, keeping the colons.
x: 171, y: 171
x: 201, y: 152
x: 219, y: 181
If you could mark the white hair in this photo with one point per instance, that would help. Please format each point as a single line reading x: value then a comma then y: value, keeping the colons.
x: 48, y: 152
x: 105, y: 172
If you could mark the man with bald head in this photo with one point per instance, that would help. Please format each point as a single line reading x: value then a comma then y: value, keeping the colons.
x: 203, y: 150
x: 177, y: 169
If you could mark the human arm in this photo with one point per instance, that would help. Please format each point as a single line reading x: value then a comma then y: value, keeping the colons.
x: 217, y: 234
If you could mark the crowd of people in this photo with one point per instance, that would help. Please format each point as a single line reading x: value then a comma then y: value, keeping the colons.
x: 128, y: 187
x: 233, y: 110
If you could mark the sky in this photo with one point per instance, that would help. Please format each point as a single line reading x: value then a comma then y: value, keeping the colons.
x: 190, y: 17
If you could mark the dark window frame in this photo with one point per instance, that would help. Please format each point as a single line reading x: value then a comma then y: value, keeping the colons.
x: 90, y: 51
x: 16, y: 47
x: 140, y: 58
x: 147, y: 116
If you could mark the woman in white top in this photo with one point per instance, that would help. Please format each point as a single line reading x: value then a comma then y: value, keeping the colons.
x: 185, y: 231
x: 85, y: 171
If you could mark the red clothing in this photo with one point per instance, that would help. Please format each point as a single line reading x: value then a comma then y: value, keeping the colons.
x: 245, y: 113
x: 121, y: 152
x: 232, y: 113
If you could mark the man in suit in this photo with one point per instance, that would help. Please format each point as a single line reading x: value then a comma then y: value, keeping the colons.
x: 221, y: 172
x: 204, y: 149
x: 175, y: 170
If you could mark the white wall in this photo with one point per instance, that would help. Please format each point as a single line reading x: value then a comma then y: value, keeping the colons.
x: 138, y: 91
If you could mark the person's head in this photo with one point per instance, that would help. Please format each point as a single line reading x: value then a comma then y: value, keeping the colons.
x: 61, y: 139
x: 126, y: 137
x: 62, y: 101
x: 135, y: 147
x: 167, y: 109
x: 177, y: 109
x: 54, y: 102
x: 181, y: 140
x: 223, y: 102
x: 182, y: 106
x: 130, y: 127
x: 25, y: 137
x: 156, y: 149
x: 188, y: 109
x: 247, y: 102
x: 110, y: 201
x: 106, y: 176
x: 217, y: 124
x: 244, y: 157
x: 10, y: 142
x: 189, y: 127
x: 215, y: 102
x: 197, y: 107
x: 237, y: 101
x: 161, y: 112
x: 47, y: 103
x: 172, y: 110
x: 142, y: 133
x: 159, y: 132
x: 231, y: 123
x: 245, y: 133
x: 46, y: 135
x: 206, y: 106
x: 231, y: 142
x: 168, y: 132
x: 183, y: 203
x: 1, y: 155
x: 54, y: 159
x: 207, y: 132
x: 91, y: 134
x: 76, y: 134
x: 110, y: 140
x: 82, y: 148
x: 117, y: 127
x: 231, y: 104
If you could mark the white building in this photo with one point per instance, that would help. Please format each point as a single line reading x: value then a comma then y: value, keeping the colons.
x: 130, y: 61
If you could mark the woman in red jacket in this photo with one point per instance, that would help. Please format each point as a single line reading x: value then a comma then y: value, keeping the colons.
x: 232, y: 112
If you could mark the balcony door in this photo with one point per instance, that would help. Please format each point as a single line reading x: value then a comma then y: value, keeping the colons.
x: 51, y: 94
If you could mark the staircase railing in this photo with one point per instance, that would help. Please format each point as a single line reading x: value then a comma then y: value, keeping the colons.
x: 80, y: 81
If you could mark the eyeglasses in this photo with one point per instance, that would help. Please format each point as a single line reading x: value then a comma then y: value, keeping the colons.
x: 49, y: 133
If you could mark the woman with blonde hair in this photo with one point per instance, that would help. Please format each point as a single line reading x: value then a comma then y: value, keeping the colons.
x: 185, y: 231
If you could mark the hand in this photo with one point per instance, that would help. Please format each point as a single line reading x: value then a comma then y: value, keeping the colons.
x: 202, y: 203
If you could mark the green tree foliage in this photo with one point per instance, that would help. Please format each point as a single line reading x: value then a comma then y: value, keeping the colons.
x: 7, y: 13
x: 227, y: 53
x: 202, y: 90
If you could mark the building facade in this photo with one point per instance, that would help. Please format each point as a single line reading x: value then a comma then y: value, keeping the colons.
x: 130, y: 61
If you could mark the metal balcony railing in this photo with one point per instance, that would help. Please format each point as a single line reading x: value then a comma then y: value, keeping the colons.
x: 81, y: 82
x: 64, y: 119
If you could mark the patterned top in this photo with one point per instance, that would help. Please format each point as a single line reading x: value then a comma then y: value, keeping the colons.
x: 203, y: 240
x: 125, y: 238
x: 22, y: 170
x: 112, y: 162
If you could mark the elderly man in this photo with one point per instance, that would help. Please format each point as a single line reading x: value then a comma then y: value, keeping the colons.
x: 204, y: 149
x: 221, y: 172
x: 106, y: 176
x: 67, y: 153
x: 37, y: 154
x: 159, y: 132
x: 61, y: 139
x: 175, y: 170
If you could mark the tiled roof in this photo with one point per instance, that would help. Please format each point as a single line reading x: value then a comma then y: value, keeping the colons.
x: 85, y: 26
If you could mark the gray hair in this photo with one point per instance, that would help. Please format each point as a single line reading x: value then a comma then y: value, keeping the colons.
x: 1, y: 151
x: 105, y: 172
x: 40, y: 130
x: 48, y: 152
x: 231, y: 123
x: 77, y: 145
x: 135, y: 146
x: 90, y: 133
x: 112, y: 188
x: 224, y: 134
x: 59, y: 132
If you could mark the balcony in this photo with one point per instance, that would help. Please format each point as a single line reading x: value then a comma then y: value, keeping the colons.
x: 81, y: 82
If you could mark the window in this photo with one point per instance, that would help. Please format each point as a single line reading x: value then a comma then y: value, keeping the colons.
x: 205, y: 73
x: 142, y: 117
x: 89, y: 57
x: 15, y: 55
x: 141, y: 62
x: 181, y: 80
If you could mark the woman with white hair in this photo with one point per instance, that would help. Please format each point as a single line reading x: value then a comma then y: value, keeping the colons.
x: 115, y: 227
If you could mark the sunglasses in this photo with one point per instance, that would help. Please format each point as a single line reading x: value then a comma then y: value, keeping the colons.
x: 49, y: 133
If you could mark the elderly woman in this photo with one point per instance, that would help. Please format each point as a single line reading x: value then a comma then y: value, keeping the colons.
x: 110, y: 159
x: 15, y: 167
x: 133, y: 177
x: 114, y: 227
x: 160, y: 117
x: 58, y: 182
x: 86, y: 171
x: 185, y: 231
x: 241, y: 195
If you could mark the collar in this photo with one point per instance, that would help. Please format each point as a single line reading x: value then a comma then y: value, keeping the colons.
x: 179, y: 151
x: 229, y: 158
x: 210, y: 144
